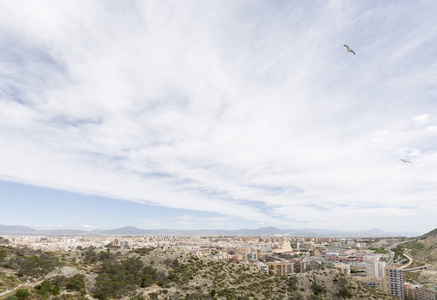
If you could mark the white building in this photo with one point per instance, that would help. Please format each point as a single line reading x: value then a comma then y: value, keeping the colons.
x: 375, y: 268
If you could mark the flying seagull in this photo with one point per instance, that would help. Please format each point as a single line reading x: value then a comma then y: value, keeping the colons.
x: 406, y: 161
x: 349, y: 49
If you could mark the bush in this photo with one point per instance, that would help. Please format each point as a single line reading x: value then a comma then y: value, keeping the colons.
x: 153, y: 296
x: 342, y: 281
x: 76, y: 283
x: 22, y: 294
x: 45, y: 288
x: 56, y: 290
x: 3, y: 254
x: 37, y: 265
x: 317, y: 289
x: 344, y: 292
x: 117, y: 279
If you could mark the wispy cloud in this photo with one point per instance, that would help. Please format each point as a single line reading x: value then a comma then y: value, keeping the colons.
x: 421, y: 118
x: 89, y: 226
x: 248, y: 110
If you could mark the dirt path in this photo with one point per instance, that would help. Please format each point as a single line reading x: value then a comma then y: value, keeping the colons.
x: 26, y: 284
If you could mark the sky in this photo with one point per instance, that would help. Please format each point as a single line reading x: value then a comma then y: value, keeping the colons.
x: 206, y: 114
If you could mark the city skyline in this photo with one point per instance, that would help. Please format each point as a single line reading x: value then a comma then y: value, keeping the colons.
x: 205, y: 115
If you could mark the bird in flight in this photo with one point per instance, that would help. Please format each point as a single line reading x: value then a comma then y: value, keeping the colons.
x: 349, y: 49
x: 406, y: 161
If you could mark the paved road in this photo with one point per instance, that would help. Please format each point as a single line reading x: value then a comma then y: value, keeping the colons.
x: 418, y: 268
x: 409, y: 263
x: 392, y: 253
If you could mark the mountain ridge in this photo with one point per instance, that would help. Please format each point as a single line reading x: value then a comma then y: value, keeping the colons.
x: 428, y: 234
x: 262, y: 231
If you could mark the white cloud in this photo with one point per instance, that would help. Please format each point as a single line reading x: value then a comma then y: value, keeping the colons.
x: 421, y: 118
x: 47, y: 226
x: 89, y: 226
x: 432, y: 129
x: 173, y: 106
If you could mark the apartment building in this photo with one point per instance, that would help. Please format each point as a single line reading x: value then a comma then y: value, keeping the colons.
x: 394, y: 281
x: 280, y: 268
x: 423, y: 293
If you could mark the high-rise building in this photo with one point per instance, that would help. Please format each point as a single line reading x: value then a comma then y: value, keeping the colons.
x: 394, y: 281
x: 375, y: 268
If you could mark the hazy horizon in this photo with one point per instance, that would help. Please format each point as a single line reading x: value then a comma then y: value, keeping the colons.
x: 259, y: 231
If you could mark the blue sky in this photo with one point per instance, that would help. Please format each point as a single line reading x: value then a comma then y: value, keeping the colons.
x: 205, y: 115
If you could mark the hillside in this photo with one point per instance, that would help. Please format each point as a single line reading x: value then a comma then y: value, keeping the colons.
x: 424, y: 248
x: 149, y: 273
x: 432, y: 233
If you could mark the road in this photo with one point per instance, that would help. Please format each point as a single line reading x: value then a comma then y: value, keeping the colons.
x: 409, y: 263
x: 392, y: 253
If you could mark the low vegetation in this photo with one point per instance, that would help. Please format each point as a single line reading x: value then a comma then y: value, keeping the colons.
x: 150, y: 273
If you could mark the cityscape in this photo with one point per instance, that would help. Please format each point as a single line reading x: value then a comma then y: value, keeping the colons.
x: 379, y: 262
x: 218, y: 150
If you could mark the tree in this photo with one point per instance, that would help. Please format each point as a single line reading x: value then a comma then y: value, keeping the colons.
x: 22, y: 294
x: 76, y: 283
x: 3, y: 254
x: 90, y: 256
x: 317, y: 289
x: 344, y: 292
x: 56, y: 290
x: 45, y: 288
x: 38, y: 265
x: 59, y: 280
x: 147, y: 280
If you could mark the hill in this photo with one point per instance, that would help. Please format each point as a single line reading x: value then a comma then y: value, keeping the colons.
x: 423, y: 248
x: 149, y: 273
x: 427, y: 247
x: 432, y: 233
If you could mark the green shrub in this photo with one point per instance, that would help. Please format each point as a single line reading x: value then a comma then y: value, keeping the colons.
x: 22, y: 294
x: 76, y: 283
x: 344, y: 292
x: 317, y: 289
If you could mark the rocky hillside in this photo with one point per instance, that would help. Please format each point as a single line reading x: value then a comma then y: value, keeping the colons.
x: 425, y: 248
x: 149, y: 273
x: 432, y: 233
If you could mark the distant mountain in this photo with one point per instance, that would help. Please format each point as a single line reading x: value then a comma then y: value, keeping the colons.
x: 26, y: 230
x: 128, y: 230
x: 263, y: 231
x: 16, y: 229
